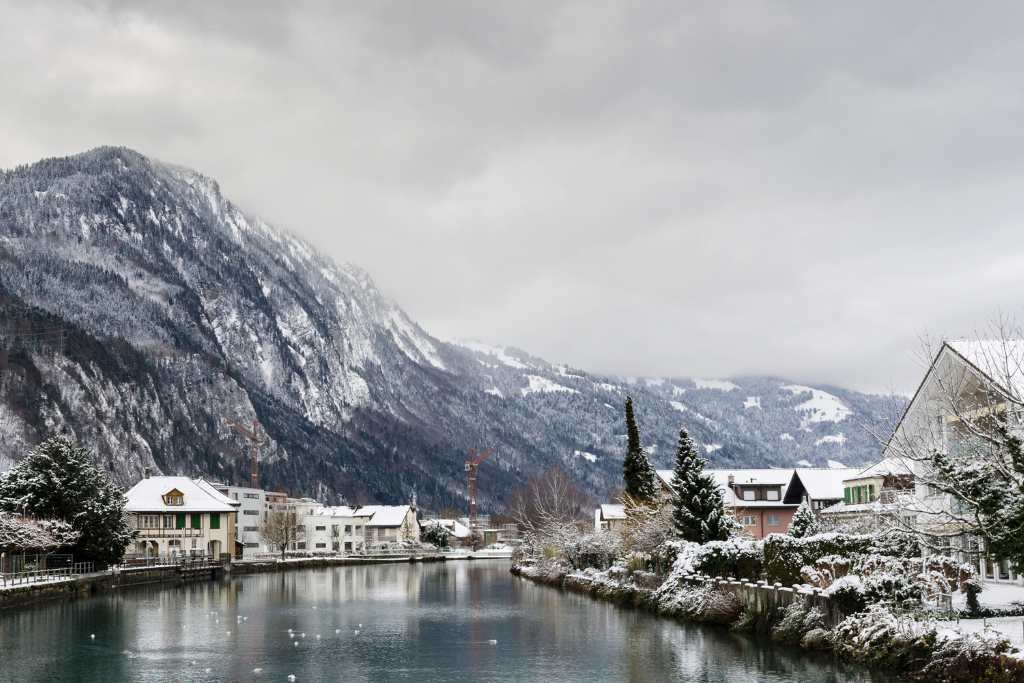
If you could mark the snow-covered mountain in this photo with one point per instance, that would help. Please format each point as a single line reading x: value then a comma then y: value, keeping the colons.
x: 179, y: 310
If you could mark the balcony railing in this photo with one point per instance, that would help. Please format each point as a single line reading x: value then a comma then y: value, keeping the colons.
x: 187, y: 532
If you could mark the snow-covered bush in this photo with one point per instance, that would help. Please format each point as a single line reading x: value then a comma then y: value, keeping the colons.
x: 973, y: 657
x: 877, y: 636
x: 848, y: 594
x: 785, y: 556
x: 736, y: 557
x: 698, y: 603
x: 592, y: 550
x: 895, y: 543
x: 797, y: 620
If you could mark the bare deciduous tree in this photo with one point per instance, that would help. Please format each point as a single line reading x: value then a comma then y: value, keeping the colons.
x: 278, y: 530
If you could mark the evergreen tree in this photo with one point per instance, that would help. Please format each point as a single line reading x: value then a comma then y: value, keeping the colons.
x: 58, y: 480
x: 698, y: 508
x: 641, y: 484
x: 804, y: 522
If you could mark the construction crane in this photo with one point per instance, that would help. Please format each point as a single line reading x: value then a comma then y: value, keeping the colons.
x: 475, y: 458
x: 255, y: 440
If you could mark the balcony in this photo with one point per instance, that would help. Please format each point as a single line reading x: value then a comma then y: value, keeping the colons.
x: 169, y: 533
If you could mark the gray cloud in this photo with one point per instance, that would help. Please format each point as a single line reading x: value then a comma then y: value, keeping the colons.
x: 640, y: 188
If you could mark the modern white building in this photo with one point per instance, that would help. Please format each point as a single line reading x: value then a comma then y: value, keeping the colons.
x: 255, y: 505
x: 180, y: 516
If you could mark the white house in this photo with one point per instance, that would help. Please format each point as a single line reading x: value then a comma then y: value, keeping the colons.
x: 609, y: 517
x: 254, y: 507
x: 458, y: 532
x: 176, y: 516
x: 970, y: 383
x: 337, y: 530
x: 391, y: 524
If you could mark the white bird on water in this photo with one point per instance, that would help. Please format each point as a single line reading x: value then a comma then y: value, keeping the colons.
x: 291, y: 678
x: 258, y: 670
x: 337, y: 630
x: 92, y: 636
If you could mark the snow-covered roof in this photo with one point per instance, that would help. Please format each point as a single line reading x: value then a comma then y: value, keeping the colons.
x: 386, y: 515
x: 821, y: 483
x: 197, y: 496
x: 1001, y: 360
x: 342, y: 511
x: 760, y: 477
x: 883, y: 468
x: 452, y: 526
x: 609, y: 511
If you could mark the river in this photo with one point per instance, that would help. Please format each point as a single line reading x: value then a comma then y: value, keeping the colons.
x: 455, y: 621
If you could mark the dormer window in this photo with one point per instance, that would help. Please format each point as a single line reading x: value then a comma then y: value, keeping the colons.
x: 174, y: 497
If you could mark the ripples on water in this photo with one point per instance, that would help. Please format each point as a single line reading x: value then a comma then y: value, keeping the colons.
x: 455, y: 621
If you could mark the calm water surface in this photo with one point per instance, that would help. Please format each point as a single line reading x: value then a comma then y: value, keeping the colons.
x: 456, y: 621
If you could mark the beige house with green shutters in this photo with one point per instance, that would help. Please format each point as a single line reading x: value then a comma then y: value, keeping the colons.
x: 179, y: 516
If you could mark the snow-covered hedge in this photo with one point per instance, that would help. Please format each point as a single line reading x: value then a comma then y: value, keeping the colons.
x: 785, y: 556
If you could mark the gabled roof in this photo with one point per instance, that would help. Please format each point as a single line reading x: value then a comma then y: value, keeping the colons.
x: 1001, y: 361
x: 759, y: 477
x: 199, y: 496
x: 823, y: 483
x: 611, y: 511
x: 883, y: 468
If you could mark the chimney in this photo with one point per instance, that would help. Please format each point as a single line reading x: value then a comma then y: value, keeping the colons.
x: 146, y: 472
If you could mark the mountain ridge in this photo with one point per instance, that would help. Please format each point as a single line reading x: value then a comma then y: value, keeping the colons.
x: 180, y: 310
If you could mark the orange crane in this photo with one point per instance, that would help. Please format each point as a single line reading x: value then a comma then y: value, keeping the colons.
x: 255, y: 440
x: 475, y: 458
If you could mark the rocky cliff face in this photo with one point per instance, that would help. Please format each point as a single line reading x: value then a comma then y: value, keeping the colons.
x: 177, y: 310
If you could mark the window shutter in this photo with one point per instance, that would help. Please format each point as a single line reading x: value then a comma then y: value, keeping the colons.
x: 197, y: 520
x: 214, y: 520
x: 180, y: 522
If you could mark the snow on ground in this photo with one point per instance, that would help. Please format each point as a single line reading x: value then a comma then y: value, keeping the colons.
x: 497, y: 352
x: 678, y: 406
x: 589, y: 457
x: 831, y: 438
x: 820, y: 407
x: 712, y: 447
x: 494, y: 392
x: 607, y: 387
x: 718, y: 384
x: 785, y: 436
x: 677, y: 391
x: 543, y: 385
x: 836, y: 465
x: 1011, y: 628
x: 752, y: 402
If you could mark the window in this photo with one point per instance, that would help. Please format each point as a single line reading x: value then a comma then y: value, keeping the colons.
x: 197, y: 520
x: 773, y: 520
x: 254, y: 496
x: 772, y: 494
x: 149, y: 521
x: 321, y: 545
x: 846, y: 495
x: 214, y: 520
x: 168, y: 521
x: 748, y: 494
x: 249, y: 528
x: 252, y: 545
x: 348, y: 546
x: 174, y: 497
x: 301, y: 545
x: 871, y: 493
x: 250, y: 512
x: 174, y: 543
x: 748, y: 520
x: 348, y: 528
x: 321, y: 528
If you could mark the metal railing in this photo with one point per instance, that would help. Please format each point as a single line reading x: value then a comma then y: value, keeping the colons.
x: 46, y: 575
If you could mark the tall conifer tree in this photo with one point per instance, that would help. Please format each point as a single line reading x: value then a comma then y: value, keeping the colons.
x: 640, y: 477
x: 698, y: 509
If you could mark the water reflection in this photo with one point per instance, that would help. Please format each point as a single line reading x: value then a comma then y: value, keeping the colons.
x: 436, y: 622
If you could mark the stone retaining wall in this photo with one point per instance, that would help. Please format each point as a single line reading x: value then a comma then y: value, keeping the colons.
x: 767, y: 600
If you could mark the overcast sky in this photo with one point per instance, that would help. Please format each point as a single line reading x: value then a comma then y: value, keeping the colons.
x: 710, y: 189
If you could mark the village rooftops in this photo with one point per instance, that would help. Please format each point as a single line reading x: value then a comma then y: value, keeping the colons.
x: 453, y: 526
x: 889, y: 467
x: 379, y: 515
x: 819, y: 483
x: 177, y: 494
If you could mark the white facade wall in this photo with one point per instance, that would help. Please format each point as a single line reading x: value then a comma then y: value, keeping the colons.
x: 254, y: 508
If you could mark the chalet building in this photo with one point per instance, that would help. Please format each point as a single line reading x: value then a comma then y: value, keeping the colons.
x: 254, y: 507
x: 969, y: 383
x: 610, y: 518
x: 820, y: 487
x: 180, y: 516
x: 391, y: 524
x: 756, y: 497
